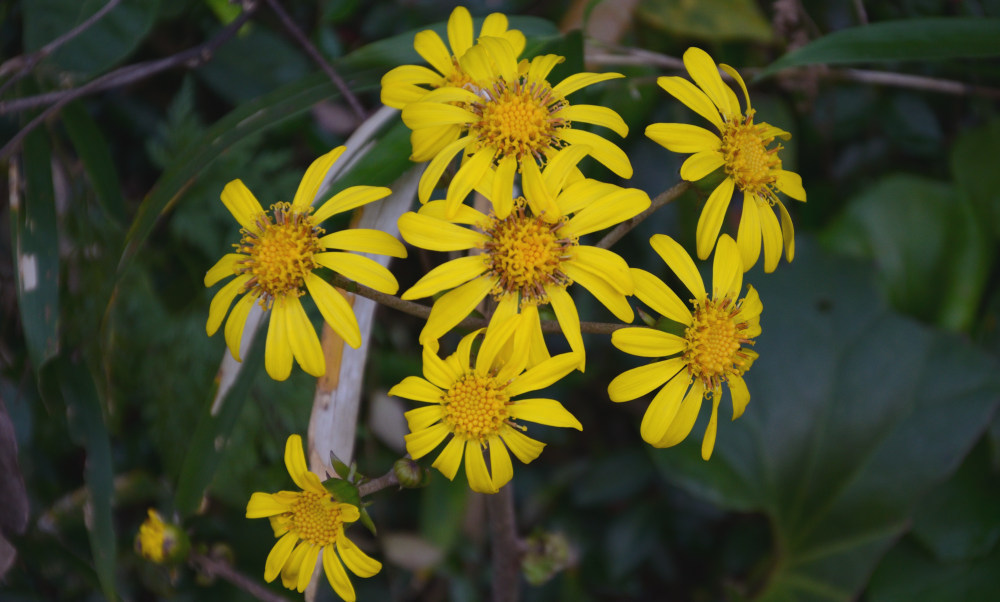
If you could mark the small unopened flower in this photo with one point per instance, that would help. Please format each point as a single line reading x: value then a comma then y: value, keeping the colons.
x: 713, y: 352
x: 742, y: 148
x: 470, y: 399
x: 276, y: 263
x: 161, y: 542
x: 310, y: 527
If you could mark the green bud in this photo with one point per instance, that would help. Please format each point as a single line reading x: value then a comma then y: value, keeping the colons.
x: 547, y: 554
x: 410, y: 474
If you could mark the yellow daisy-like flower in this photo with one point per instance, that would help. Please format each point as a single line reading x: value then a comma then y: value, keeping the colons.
x: 524, y: 260
x: 310, y: 523
x: 471, y: 399
x: 712, y: 351
x: 514, y: 120
x: 275, y: 263
x: 159, y: 541
x: 741, y: 148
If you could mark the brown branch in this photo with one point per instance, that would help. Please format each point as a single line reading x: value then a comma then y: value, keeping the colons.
x: 311, y: 50
x: 625, y: 227
x: 28, y: 62
x: 424, y: 311
x: 385, y: 481
x: 505, y: 545
x: 190, y: 58
x: 215, y: 567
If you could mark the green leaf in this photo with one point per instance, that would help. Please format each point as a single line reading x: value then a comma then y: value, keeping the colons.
x: 974, y: 169
x: 74, y: 384
x: 36, y: 250
x: 442, y: 505
x: 276, y: 62
x: 208, y: 443
x: 101, y: 45
x: 910, y: 574
x: 933, y: 254
x: 714, y: 20
x: 855, y: 413
x: 93, y: 150
x: 932, y: 38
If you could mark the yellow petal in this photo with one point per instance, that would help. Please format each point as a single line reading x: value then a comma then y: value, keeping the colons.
x: 496, y: 337
x: 307, y: 567
x: 750, y: 306
x: 460, y: 30
x: 733, y: 73
x: 524, y: 447
x: 446, y: 276
x: 568, y: 318
x: 242, y: 204
x: 225, y: 267
x: 791, y: 184
x: 428, y: 142
x: 544, y: 374
x: 748, y: 236
x: 495, y: 24
x: 605, y: 264
x: 475, y: 470
x: 686, y: 416
x: 348, y: 199
x: 361, y: 269
x: 436, y: 167
x: 647, y: 342
x: 423, y: 417
x: 582, y: 193
x: 741, y: 395
x: 427, y: 114
x: 303, y: 340
x: 602, y: 290
x: 335, y: 309
x: 663, y: 409
x: 787, y: 232
x: 450, y: 458
x: 263, y: 505
x: 606, y: 153
x: 438, y: 372
x: 295, y: 462
x: 222, y: 300
x: 581, y: 80
x: 466, y: 214
x: 278, y: 555
x: 539, y: 197
x: 561, y: 165
x: 708, y: 442
x: 430, y: 46
x: 502, y: 192
x: 544, y: 411
x: 421, y: 443
x: 363, y: 240
x: 636, y: 382
x: 434, y: 234
x: 417, y: 389
x: 358, y: 562
x: 657, y: 295
x: 727, y: 269
x: 468, y: 177
x: 692, y: 97
x: 771, y: 232
x: 452, y: 307
x: 597, y: 115
x: 710, y: 220
x: 311, y: 181
x: 679, y: 262
x: 290, y: 573
x: 614, y: 207
x: 700, y: 164
x: 337, y: 576
x: 501, y: 469
x: 277, y: 351
x: 683, y: 138
x: 542, y: 65
x: 705, y: 73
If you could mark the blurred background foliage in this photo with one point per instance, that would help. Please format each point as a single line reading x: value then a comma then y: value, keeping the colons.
x: 866, y: 465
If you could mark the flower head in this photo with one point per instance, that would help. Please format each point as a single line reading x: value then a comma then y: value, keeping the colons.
x: 525, y: 261
x: 160, y: 542
x: 712, y: 352
x: 310, y: 525
x: 276, y: 261
x: 471, y: 398
x: 742, y: 149
x: 513, y: 120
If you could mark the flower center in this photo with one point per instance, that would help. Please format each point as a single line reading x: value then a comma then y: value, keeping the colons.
x: 280, y: 254
x: 475, y: 407
x: 517, y: 120
x: 714, y: 342
x: 525, y: 253
x: 456, y: 77
x: 315, y: 518
x: 749, y: 162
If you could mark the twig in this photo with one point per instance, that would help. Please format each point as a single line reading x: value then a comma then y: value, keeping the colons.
x: 311, y: 50
x: 859, y: 7
x: 385, y: 481
x: 214, y: 567
x: 28, y: 62
x: 190, y: 58
x: 505, y: 545
x: 423, y: 311
x: 625, y: 227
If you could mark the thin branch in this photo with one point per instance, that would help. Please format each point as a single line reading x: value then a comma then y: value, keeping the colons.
x: 385, y: 481
x: 424, y: 311
x: 625, y: 227
x: 214, y: 567
x: 28, y: 62
x: 190, y: 58
x: 859, y: 7
x: 506, y: 547
x: 311, y: 50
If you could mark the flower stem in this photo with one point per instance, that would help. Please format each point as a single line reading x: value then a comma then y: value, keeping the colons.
x: 505, y: 546
x: 625, y: 227
x: 215, y: 567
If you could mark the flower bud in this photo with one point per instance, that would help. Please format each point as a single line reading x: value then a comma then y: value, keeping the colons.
x: 160, y: 542
x: 410, y: 474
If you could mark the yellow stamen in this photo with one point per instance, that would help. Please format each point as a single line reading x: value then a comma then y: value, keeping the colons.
x: 279, y: 252
x: 517, y: 120
x: 314, y: 518
x: 475, y: 407
x: 748, y: 161
x: 714, y: 340
x: 525, y: 253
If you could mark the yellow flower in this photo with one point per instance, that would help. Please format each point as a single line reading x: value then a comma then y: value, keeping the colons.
x: 275, y: 263
x: 711, y: 352
x: 161, y: 542
x: 526, y: 261
x: 741, y: 148
x: 472, y: 400
x: 514, y: 119
x: 310, y: 523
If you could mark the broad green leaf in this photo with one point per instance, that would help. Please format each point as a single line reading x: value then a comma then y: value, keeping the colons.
x: 100, y: 46
x: 93, y: 150
x: 931, y: 38
x: 714, y: 20
x: 933, y: 254
x: 855, y: 413
x: 215, y: 425
x: 910, y: 574
x: 974, y: 169
x: 276, y: 62
x: 36, y: 250
x: 73, y: 383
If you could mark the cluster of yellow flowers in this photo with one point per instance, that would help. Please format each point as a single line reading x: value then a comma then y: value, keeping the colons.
x: 515, y: 136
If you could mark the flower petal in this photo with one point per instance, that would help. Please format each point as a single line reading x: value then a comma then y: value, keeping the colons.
x: 597, y: 115
x: 219, y: 307
x: 435, y: 169
x: 358, y: 562
x: 450, y: 458
x: 501, y: 468
x: 435, y: 234
x: 438, y: 372
x: 602, y: 290
x: 647, y: 342
x: 606, y: 152
x: 700, y: 164
x: 544, y: 411
x: 568, y: 318
x: 475, y: 470
x: 421, y: 443
x: 446, y: 276
x: 428, y: 142
x: 560, y: 167
x: 662, y: 410
x: 278, y: 555
x: 683, y: 138
x: 307, y: 567
x: 748, y: 236
x: 605, y: 264
x: 581, y: 80
x: 453, y: 306
x: 430, y: 46
x: 263, y: 505
x: 613, y: 207
x: 708, y: 441
x: 686, y: 416
x: 741, y: 395
x: 787, y: 232
x: 680, y: 263
x: 705, y: 73
x: 771, y: 232
x: 524, y: 447
x: 313, y: 178
x: 295, y: 462
x: 337, y: 576
x: 361, y: 269
x: 710, y: 221
x: 542, y: 65
x: 727, y: 269
x: 224, y: 268
x: 502, y: 193
x: 363, y: 240
x: 236, y: 324
x: 539, y: 197
x: 423, y: 417
x: 460, y: 30
x: 636, y: 382
x: 791, y: 184
x: 468, y: 177
x: 417, y: 389
x: 692, y: 97
x: 242, y: 204
x: 336, y: 311
x: 277, y: 350
x: 303, y: 340
x: 657, y: 295
x: 544, y: 374
x: 349, y: 198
